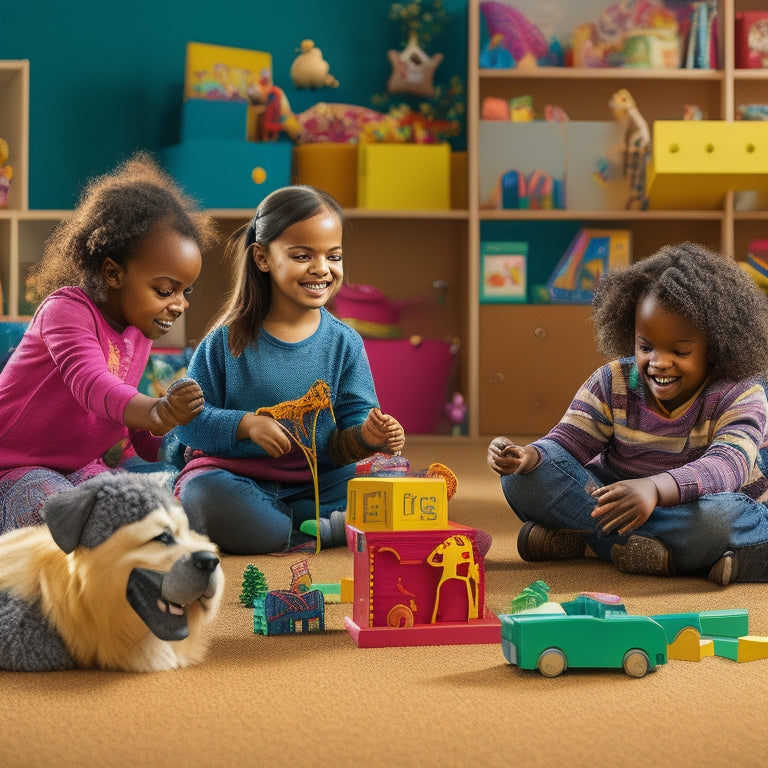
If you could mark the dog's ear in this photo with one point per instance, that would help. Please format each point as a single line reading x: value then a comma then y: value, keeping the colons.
x: 67, y: 513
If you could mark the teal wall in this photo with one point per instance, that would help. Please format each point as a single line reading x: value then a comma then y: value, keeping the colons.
x: 106, y: 76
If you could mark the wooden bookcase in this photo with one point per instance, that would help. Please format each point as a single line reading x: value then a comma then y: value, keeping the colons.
x: 525, y: 362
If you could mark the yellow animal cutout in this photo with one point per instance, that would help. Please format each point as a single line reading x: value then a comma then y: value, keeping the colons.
x: 318, y: 398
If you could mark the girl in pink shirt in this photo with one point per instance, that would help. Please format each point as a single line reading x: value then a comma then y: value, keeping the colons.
x: 113, y: 278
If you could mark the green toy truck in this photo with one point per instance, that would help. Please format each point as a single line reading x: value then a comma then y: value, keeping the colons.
x: 590, y: 633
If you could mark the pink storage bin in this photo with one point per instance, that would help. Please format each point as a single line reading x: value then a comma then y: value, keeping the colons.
x: 412, y: 381
x: 364, y: 302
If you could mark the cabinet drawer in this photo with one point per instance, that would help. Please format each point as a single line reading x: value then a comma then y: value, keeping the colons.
x: 533, y: 358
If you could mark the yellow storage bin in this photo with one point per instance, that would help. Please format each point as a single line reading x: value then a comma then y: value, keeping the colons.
x: 397, y: 503
x: 329, y: 166
x: 695, y: 162
x: 404, y: 176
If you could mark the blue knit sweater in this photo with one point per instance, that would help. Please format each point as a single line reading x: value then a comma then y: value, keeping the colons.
x: 274, y: 372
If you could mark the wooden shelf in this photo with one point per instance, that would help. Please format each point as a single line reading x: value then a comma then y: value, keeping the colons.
x: 510, y: 338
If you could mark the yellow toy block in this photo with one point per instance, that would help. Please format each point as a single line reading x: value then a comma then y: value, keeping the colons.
x: 397, y: 503
x: 347, y: 590
x: 752, y: 648
x: 695, y: 162
x: 404, y: 176
x: 689, y: 646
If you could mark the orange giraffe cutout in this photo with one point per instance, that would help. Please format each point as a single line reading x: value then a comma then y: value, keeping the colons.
x: 318, y: 398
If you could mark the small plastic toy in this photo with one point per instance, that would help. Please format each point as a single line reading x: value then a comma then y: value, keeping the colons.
x: 595, y: 630
x: 589, y: 633
x: 281, y: 612
x: 637, y: 146
x: 254, y: 584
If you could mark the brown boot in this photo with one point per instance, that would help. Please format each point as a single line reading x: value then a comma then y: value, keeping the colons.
x: 748, y: 564
x: 535, y: 542
x: 642, y: 554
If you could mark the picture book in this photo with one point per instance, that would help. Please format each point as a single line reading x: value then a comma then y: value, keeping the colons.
x: 591, y: 253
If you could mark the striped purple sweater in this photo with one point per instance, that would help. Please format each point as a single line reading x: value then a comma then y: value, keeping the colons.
x: 709, y: 445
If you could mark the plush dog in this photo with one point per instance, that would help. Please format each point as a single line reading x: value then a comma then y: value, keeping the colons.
x: 115, y: 579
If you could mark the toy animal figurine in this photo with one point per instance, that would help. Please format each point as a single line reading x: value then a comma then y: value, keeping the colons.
x: 637, y: 146
x: 413, y: 70
x: 310, y: 70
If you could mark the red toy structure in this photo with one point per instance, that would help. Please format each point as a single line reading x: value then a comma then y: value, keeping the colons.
x: 424, y: 587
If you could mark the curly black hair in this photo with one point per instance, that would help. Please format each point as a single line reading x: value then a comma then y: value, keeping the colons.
x: 114, y: 213
x: 708, y: 289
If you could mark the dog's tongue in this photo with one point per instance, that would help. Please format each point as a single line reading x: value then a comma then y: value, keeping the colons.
x: 165, y: 620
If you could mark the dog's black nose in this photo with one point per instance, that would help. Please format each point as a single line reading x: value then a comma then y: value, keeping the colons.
x: 205, y: 561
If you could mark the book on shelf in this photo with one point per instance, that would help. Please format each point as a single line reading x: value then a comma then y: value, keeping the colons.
x: 503, y: 277
x: 591, y: 253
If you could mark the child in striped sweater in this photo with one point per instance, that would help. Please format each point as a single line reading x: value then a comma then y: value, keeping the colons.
x: 659, y: 464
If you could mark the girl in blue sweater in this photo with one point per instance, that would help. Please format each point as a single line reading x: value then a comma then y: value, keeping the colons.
x: 249, y: 483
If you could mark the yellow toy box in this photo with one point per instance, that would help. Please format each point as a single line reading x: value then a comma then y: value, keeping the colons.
x: 695, y: 162
x: 397, y: 503
x: 331, y: 166
x: 404, y: 176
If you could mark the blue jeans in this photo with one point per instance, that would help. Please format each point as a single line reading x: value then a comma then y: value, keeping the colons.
x: 557, y: 495
x: 255, y: 517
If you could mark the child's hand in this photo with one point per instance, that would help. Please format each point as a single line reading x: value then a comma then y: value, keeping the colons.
x: 383, y: 431
x: 508, y: 458
x: 624, y: 506
x: 267, y: 432
x: 183, y: 400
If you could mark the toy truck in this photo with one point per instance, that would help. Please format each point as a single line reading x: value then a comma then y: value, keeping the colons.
x: 584, y: 633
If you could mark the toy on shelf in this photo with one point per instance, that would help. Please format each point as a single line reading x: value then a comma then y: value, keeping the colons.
x: 752, y: 112
x: 637, y: 146
x: 413, y: 69
x: 520, y: 36
x: 696, y: 162
x: 495, y: 56
x: 591, y: 253
x: 221, y: 72
x: 6, y: 174
x: 419, y: 579
x: 751, y: 33
x: 310, y: 69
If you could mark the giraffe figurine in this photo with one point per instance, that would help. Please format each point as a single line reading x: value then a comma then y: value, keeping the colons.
x: 637, y: 146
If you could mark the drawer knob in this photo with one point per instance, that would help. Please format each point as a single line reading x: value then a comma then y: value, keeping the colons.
x: 540, y: 333
x: 497, y: 377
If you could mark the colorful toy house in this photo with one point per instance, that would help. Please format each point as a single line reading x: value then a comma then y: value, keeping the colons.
x: 281, y: 612
x: 418, y: 578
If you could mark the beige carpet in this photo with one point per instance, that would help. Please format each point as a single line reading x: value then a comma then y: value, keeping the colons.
x: 319, y: 700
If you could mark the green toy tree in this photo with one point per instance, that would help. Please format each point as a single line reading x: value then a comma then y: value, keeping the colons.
x: 532, y: 596
x: 254, y: 583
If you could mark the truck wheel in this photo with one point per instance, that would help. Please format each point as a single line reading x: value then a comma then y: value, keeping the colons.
x: 636, y: 663
x: 552, y: 662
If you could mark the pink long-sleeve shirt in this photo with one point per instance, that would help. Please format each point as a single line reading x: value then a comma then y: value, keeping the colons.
x: 64, y: 390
